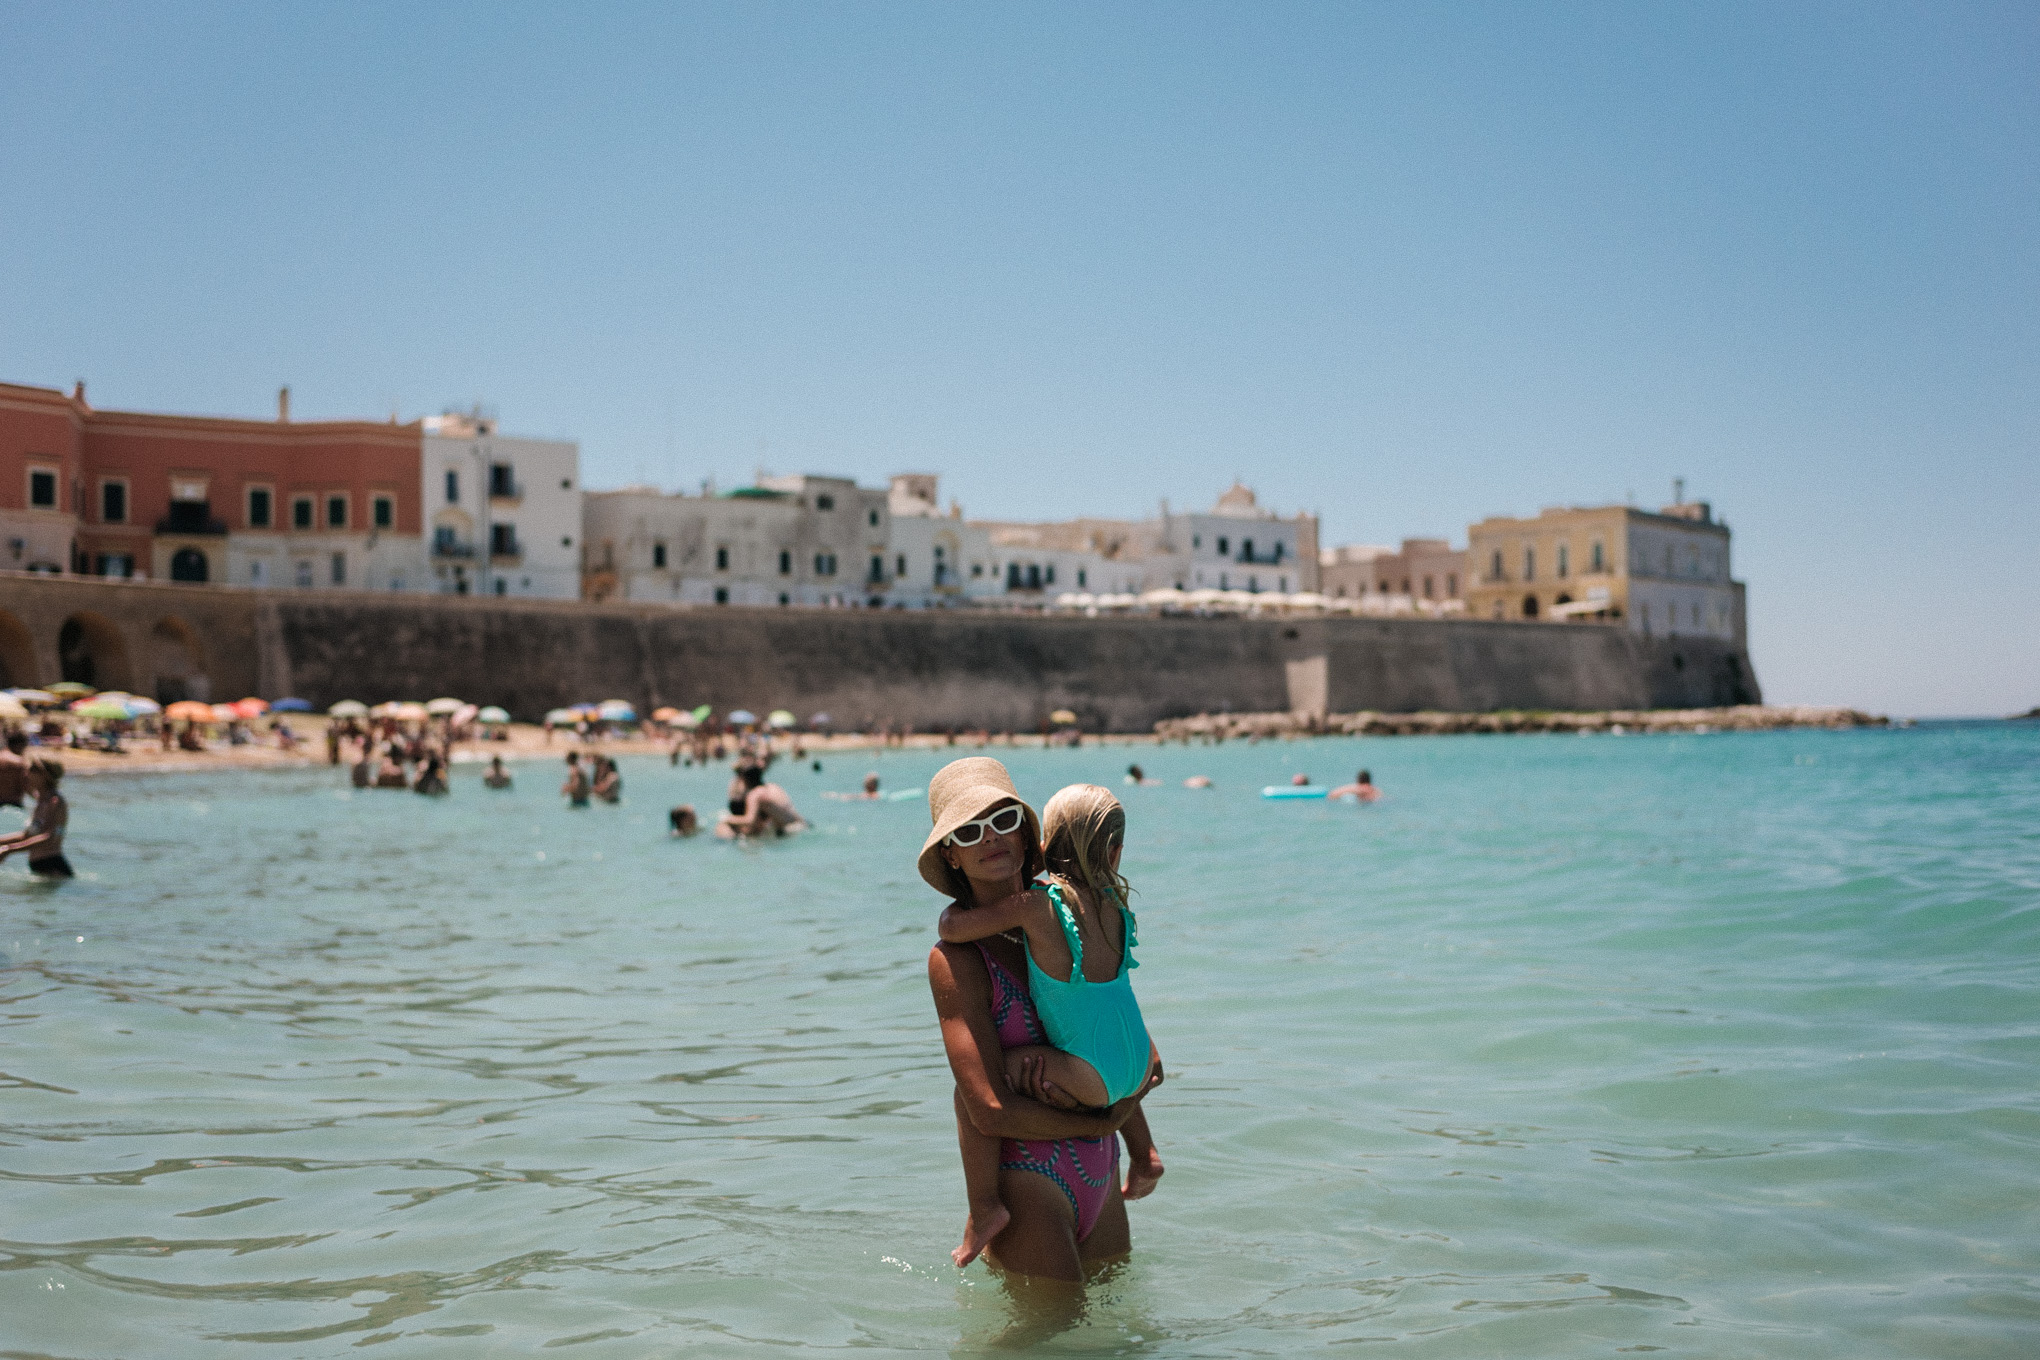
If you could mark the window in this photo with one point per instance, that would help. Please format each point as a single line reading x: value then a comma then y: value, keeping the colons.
x: 1452, y: 584
x: 257, y: 572
x: 1012, y: 576
x: 453, y: 486
x: 1564, y: 559
x: 1596, y: 558
x: 566, y: 541
x: 784, y: 598
x: 977, y: 569
x: 304, y: 574
x: 339, y: 569
x: 385, y: 512
x: 1221, y: 545
x: 114, y: 564
x: 825, y: 564
x: 825, y: 502
x: 502, y: 540
x: 1495, y: 566
x: 502, y: 480
x: 1427, y: 587
x: 1196, y: 541
x: 874, y: 519
x: 336, y: 512
x: 659, y: 556
x: 785, y: 565
x: 722, y: 559
x: 722, y: 595
x: 1246, y: 550
x: 113, y: 505
x: 1033, y: 576
x: 1080, y: 578
x: 1529, y: 564
x: 566, y: 483
x: 1048, y: 573
x: 445, y: 540
x: 502, y: 586
x: 877, y: 568
x: 42, y: 488
x: 301, y: 516
x: 900, y: 563
x: 260, y: 499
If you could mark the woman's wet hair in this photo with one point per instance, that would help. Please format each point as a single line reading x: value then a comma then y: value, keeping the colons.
x: 52, y: 770
x: 1080, y: 827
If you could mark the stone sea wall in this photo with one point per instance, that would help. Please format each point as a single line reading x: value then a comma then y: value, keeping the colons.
x: 932, y: 669
x: 1736, y: 718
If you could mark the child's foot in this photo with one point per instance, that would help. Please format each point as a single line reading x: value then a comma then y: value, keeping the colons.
x: 1142, y: 1176
x: 978, y: 1231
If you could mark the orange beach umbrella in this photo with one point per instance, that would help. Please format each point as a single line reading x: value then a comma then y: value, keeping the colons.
x: 189, y: 710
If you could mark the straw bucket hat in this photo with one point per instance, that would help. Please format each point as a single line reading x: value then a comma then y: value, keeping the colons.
x: 962, y: 791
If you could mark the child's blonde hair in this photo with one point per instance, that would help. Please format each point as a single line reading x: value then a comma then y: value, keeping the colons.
x: 1080, y: 826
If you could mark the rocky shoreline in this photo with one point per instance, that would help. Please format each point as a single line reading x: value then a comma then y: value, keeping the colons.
x: 1743, y: 718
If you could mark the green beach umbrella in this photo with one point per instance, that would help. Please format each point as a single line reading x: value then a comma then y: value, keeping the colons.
x: 779, y: 717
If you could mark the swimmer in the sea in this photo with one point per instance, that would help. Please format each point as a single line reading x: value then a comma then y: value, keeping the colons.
x: 869, y: 793
x: 42, y: 840
x: 1362, y: 788
x: 1136, y: 775
x: 575, y: 790
x: 497, y: 777
x: 683, y: 820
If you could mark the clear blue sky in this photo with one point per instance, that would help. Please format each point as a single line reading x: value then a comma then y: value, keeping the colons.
x: 1403, y: 265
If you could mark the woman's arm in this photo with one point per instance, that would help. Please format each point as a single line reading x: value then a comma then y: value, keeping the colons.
x: 963, y: 1003
x: 961, y: 925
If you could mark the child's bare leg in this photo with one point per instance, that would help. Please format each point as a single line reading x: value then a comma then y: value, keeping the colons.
x: 1072, y: 1075
x: 988, y: 1216
x: 1143, y: 1162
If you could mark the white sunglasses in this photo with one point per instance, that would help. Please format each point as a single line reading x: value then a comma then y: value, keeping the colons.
x: 1003, y: 822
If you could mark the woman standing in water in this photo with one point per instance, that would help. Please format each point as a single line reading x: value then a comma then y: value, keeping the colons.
x: 1058, y: 1169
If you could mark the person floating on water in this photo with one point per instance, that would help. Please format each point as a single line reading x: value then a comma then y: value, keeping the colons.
x: 1197, y: 781
x: 575, y: 790
x: 1057, y: 1165
x: 497, y: 777
x: 684, y: 822
x: 1078, y: 926
x: 42, y: 840
x: 1135, y: 775
x: 1361, y: 788
x: 869, y: 793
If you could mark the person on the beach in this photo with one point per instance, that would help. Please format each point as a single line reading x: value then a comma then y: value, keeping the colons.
x: 1080, y: 928
x: 42, y: 840
x: 1361, y: 788
x: 608, y: 785
x: 767, y: 810
x: 14, y: 770
x: 575, y: 790
x: 685, y: 823
x: 497, y: 777
x: 1057, y: 1166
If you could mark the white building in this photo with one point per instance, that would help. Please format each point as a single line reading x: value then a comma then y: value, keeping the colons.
x: 793, y: 540
x: 503, y: 513
x: 938, y: 560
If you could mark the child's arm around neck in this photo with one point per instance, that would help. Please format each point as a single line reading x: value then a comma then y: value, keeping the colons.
x: 962, y: 925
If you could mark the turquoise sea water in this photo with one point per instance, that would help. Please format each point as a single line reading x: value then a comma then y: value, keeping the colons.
x: 1706, y: 1045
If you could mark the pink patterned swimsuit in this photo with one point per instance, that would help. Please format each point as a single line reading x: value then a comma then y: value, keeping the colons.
x: 1082, y: 1167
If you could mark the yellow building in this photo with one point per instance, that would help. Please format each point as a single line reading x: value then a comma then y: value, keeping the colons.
x: 1663, y: 574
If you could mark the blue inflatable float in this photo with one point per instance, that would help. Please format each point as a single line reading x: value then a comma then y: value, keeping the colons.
x: 1293, y: 791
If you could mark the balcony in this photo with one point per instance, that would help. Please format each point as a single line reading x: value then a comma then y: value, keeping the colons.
x: 190, y: 517
x: 1274, y: 557
x: 451, y: 549
x: 505, y: 492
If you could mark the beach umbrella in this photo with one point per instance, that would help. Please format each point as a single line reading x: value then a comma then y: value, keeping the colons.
x: 560, y: 717
x: 293, y: 705
x: 440, y: 708
x: 410, y: 712
x: 34, y: 698
x: 616, y: 710
x: 666, y: 714
x: 701, y: 713
x: 250, y: 708
x: 779, y: 717
x: 742, y: 717
x: 819, y: 720
x: 348, y: 708
x: 387, y: 709
x: 685, y: 720
x: 464, y: 715
x: 1063, y: 716
x: 71, y: 689
x: 493, y: 714
x: 103, y: 710
x: 12, y: 709
x: 139, y: 706
x: 225, y: 713
x: 189, y: 710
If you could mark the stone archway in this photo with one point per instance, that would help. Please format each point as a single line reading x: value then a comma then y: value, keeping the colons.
x: 181, y: 670
x: 189, y: 564
x: 17, y: 654
x: 1529, y: 606
x: 91, y: 651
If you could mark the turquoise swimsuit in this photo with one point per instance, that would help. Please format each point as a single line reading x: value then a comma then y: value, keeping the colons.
x: 1096, y: 1021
